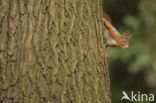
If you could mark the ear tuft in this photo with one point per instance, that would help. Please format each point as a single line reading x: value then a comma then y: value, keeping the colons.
x: 126, y: 33
x: 129, y: 37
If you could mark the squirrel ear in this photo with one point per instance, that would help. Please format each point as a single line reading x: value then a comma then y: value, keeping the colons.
x: 126, y: 33
x: 129, y: 37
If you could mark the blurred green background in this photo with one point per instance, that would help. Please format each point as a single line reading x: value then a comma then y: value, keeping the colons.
x: 133, y: 69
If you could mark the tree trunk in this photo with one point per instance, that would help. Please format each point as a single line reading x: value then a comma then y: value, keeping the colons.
x: 51, y: 51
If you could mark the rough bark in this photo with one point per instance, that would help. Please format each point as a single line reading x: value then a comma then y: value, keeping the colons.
x: 51, y: 51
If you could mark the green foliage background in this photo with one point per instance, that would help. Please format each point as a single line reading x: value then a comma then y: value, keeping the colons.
x: 133, y: 69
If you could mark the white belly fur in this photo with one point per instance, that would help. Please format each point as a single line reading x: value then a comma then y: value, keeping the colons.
x: 109, y: 39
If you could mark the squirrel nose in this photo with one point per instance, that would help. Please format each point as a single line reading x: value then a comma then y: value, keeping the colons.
x: 126, y: 46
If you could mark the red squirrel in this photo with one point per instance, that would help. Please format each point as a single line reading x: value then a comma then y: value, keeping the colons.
x: 112, y: 36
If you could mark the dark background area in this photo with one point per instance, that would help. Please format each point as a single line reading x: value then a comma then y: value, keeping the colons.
x: 133, y: 69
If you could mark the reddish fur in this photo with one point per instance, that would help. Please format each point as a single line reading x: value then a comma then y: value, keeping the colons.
x: 115, y: 35
x: 107, y: 17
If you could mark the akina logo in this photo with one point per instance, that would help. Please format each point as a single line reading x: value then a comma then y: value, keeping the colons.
x: 137, y: 96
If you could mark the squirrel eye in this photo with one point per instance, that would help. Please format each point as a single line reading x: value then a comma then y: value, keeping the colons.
x: 124, y: 41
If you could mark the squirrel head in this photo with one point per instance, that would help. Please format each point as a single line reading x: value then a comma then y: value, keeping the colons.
x: 124, y: 41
